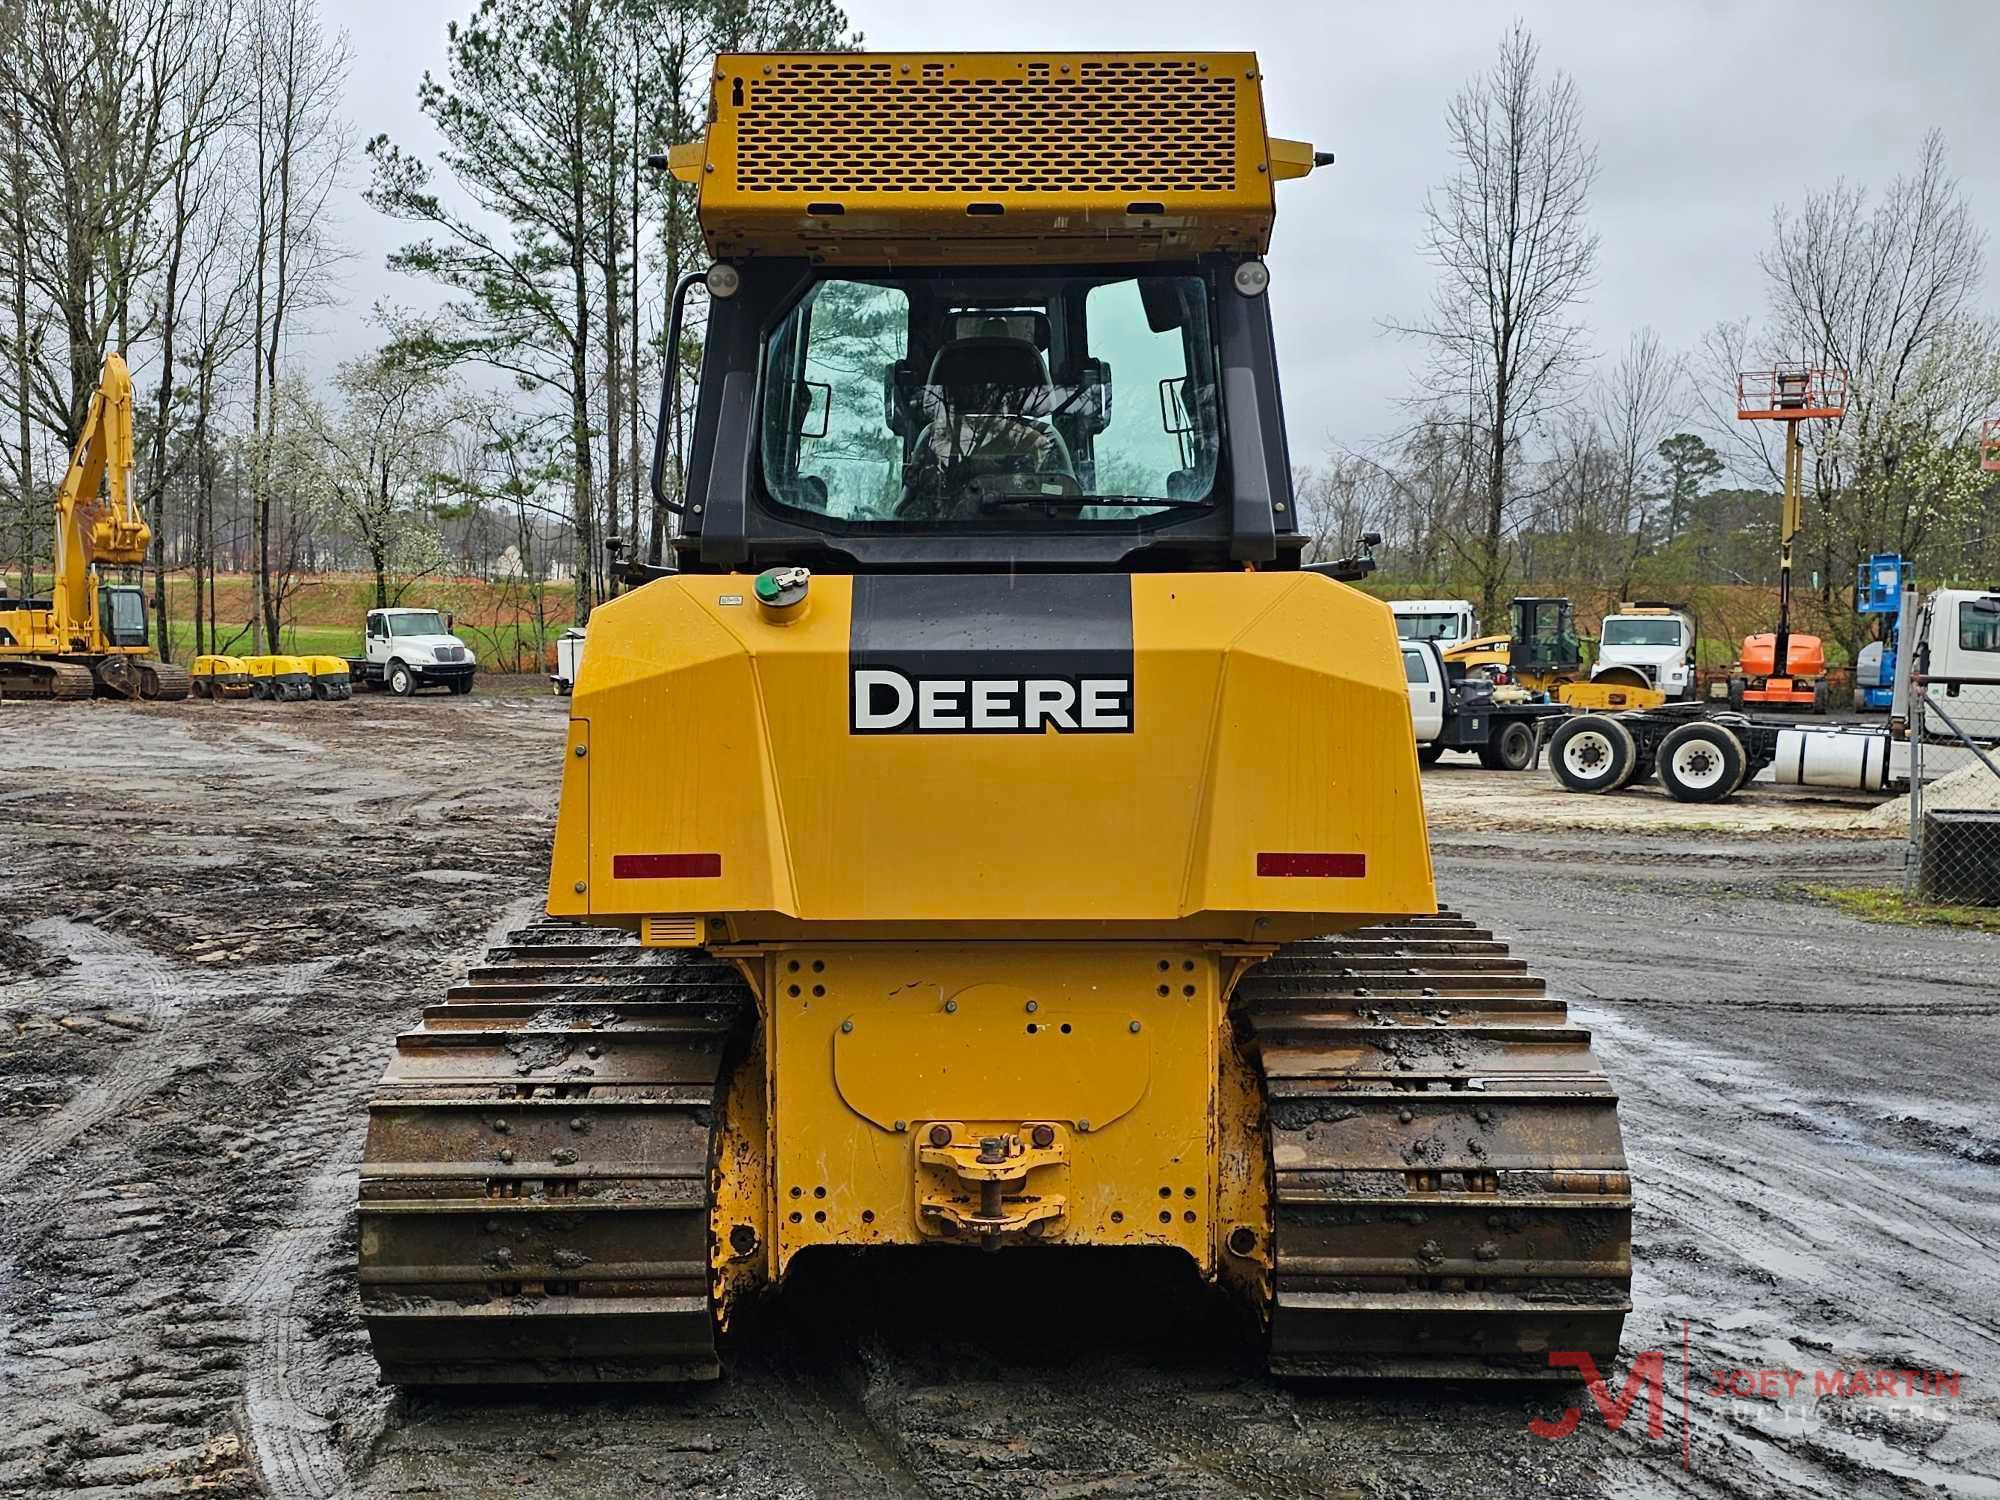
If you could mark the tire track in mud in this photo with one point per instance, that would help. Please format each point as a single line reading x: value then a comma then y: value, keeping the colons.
x: 144, y: 984
x: 1786, y: 1241
x: 293, y: 1442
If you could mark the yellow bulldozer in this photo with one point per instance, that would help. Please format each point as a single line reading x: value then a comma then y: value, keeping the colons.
x: 988, y: 835
x: 89, y: 637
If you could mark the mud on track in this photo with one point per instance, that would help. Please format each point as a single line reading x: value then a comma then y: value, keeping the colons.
x: 214, y: 918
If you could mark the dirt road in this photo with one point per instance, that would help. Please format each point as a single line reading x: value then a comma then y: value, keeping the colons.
x: 214, y: 918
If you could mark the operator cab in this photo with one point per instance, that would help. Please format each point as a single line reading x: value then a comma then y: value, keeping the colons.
x: 861, y: 417
x: 121, y: 612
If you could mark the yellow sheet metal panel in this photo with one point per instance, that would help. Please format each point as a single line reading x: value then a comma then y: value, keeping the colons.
x: 1268, y: 773
x: 1002, y: 1036
x: 952, y: 157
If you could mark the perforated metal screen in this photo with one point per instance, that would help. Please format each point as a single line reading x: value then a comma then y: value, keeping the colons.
x: 1137, y: 126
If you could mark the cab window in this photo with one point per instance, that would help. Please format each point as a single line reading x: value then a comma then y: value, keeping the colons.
x: 1979, y: 625
x: 993, y: 401
x: 1413, y: 667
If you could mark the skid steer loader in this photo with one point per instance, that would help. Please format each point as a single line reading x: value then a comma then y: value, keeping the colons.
x: 987, y: 833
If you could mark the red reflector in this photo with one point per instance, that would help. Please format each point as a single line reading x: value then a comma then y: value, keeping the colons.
x: 1315, y: 866
x: 665, y: 866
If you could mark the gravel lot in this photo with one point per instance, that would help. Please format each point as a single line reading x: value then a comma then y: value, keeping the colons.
x: 215, y: 917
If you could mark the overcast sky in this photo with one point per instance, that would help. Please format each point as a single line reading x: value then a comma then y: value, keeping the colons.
x: 1705, y: 114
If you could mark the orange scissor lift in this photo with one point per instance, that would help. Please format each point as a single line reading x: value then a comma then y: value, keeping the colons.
x: 1781, y: 668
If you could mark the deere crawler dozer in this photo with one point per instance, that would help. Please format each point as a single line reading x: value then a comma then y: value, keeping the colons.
x: 989, y: 834
x: 88, y: 638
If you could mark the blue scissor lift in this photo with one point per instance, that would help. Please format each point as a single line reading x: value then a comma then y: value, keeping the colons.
x: 1878, y: 590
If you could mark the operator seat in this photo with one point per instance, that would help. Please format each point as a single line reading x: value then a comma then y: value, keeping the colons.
x: 987, y: 406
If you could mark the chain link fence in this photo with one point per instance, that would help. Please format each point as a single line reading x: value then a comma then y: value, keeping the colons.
x: 1954, y: 856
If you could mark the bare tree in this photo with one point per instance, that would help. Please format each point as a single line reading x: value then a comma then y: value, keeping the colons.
x: 299, y: 71
x: 1510, y: 235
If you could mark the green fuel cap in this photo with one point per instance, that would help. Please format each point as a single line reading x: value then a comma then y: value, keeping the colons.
x: 781, y: 588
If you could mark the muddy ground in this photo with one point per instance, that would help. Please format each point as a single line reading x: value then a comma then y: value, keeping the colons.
x: 214, y: 918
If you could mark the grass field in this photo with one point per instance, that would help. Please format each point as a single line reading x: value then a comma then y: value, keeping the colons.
x: 324, y: 615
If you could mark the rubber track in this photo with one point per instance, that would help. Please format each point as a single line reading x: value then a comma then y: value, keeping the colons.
x: 534, y: 1194
x: 1452, y: 1199
x: 40, y: 677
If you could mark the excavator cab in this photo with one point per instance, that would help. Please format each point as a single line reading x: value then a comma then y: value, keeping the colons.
x: 121, y: 614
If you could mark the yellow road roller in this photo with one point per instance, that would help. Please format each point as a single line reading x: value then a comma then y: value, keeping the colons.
x: 220, y: 677
x: 328, y: 677
x: 279, y: 678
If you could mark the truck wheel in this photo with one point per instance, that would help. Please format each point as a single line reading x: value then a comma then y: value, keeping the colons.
x: 1429, y: 755
x: 1819, y: 696
x: 1512, y: 749
x: 1592, y: 753
x: 1737, y: 687
x: 1701, y: 763
x: 462, y: 688
x: 402, y: 681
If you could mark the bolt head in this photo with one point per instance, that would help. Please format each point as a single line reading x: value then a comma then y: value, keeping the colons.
x: 581, y: 751
x: 951, y: 1007
x: 901, y: 1126
x: 1083, y: 1126
x: 940, y: 1135
x: 846, y: 1025
x: 1033, y: 1007
x: 1044, y: 1136
x: 593, y: 1050
x: 1134, y: 1028
x: 576, y: 1122
x: 1404, y: 1115
x: 506, y: 1153
x: 579, y: 887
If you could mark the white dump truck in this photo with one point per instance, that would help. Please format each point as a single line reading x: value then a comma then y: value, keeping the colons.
x: 1648, y: 645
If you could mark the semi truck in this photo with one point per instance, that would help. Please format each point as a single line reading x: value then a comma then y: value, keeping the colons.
x: 1444, y: 620
x: 1701, y: 754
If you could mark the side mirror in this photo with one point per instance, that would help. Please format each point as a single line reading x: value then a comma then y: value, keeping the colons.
x: 448, y: 626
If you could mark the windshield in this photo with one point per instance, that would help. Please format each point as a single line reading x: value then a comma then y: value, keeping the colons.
x: 989, y: 400
x: 1642, y: 632
x: 1428, y: 627
x: 419, y: 622
x: 125, y: 616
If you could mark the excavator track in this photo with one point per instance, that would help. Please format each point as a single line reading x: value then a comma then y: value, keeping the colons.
x: 39, y: 677
x: 535, y: 1191
x: 164, y: 682
x: 1451, y: 1199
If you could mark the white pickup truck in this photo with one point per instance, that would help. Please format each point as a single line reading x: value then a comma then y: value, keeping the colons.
x: 407, y: 649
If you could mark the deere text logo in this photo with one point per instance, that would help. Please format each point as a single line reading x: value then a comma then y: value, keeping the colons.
x: 887, y: 701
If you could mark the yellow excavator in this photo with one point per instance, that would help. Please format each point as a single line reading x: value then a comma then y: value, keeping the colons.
x: 89, y: 637
x: 988, y: 834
